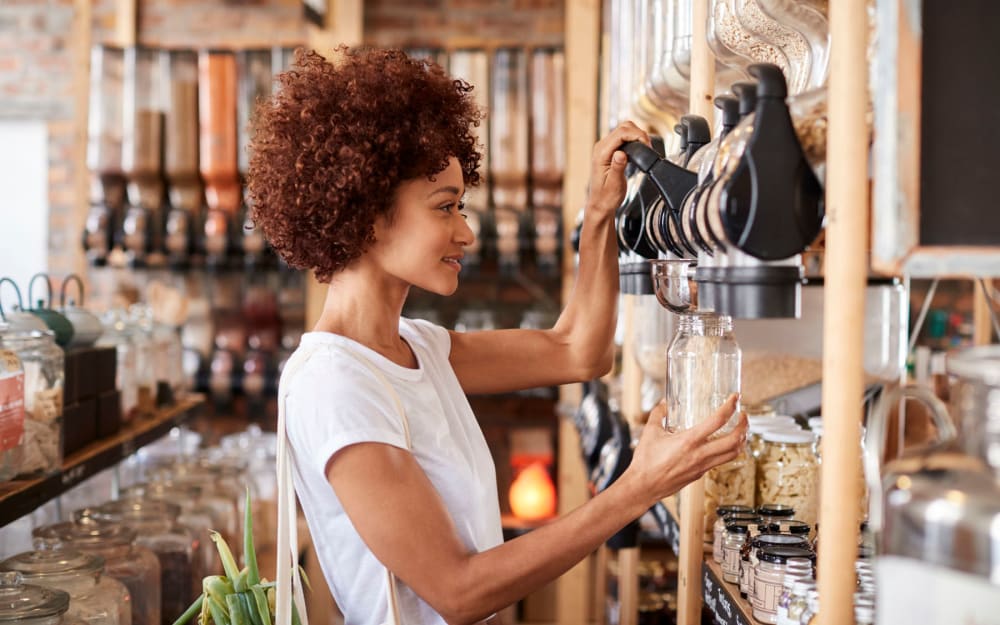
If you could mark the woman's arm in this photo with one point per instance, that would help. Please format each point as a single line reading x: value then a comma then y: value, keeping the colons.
x: 579, y: 347
x: 403, y: 521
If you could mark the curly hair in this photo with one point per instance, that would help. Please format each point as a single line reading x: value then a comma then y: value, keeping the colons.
x: 330, y: 148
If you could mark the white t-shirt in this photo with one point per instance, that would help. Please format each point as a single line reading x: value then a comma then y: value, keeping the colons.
x: 336, y: 401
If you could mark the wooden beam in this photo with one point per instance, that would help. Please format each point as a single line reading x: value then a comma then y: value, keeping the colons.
x: 81, y: 43
x: 844, y: 307
x: 126, y: 23
x: 982, y: 320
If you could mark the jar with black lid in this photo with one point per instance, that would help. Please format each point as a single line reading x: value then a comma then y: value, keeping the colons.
x: 749, y: 553
x: 732, y: 541
x: 769, y: 574
x: 722, y: 513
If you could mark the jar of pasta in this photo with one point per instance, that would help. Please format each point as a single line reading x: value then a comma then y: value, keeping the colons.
x: 788, y: 473
x: 731, y: 483
x: 719, y: 527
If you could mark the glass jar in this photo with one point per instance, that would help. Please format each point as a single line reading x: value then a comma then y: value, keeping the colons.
x: 775, y: 513
x: 792, y: 44
x: 142, y: 145
x: 94, y: 598
x: 719, y: 527
x: 732, y: 541
x: 703, y: 370
x: 155, y: 525
x: 864, y: 608
x: 220, y: 493
x: 44, y: 373
x: 140, y: 324
x: 118, y: 334
x: 769, y: 573
x: 217, y: 116
x: 788, y: 473
x: 11, y: 413
x: 732, y: 483
x: 750, y: 555
x: 27, y: 604
x: 812, y: 608
x: 787, y: 584
x: 548, y: 131
x: 134, y: 566
x: 797, y: 602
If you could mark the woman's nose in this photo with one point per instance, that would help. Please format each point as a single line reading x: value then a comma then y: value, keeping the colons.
x: 464, y: 235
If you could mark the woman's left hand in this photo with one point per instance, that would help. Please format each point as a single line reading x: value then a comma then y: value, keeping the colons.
x: 607, y: 174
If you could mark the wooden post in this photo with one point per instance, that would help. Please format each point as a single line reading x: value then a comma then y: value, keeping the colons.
x: 692, y: 502
x: 126, y: 23
x: 344, y: 25
x: 582, y: 36
x: 846, y: 234
x: 81, y: 111
x: 628, y: 586
x: 982, y: 320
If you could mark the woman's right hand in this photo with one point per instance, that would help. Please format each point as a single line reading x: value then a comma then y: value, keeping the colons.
x: 665, y: 462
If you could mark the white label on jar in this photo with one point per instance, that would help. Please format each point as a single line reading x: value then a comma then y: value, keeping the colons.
x: 911, y: 591
x: 731, y: 562
x: 11, y: 403
x: 766, y: 595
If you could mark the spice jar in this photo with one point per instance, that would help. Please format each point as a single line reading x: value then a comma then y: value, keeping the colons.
x: 11, y: 412
x: 703, y: 370
x: 788, y: 473
x: 155, y: 525
x: 732, y: 483
x: 798, y: 602
x: 750, y: 551
x: 134, y: 566
x: 27, y: 604
x: 769, y: 575
x: 787, y: 586
x: 732, y: 541
x: 94, y: 598
x: 44, y: 373
x: 719, y: 527
x: 812, y: 608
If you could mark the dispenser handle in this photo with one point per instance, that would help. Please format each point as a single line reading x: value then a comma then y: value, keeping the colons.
x: 875, y: 436
x: 643, y: 156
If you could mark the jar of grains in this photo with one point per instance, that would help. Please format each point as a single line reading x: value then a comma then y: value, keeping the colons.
x: 788, y: 473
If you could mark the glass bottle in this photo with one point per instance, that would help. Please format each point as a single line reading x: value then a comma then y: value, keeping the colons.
x: 732, y: 541
x: 703, y: 370
x: 11, y: 413
x: 94, y: 598
x: 722, y: 513
x: 27, y: 604
x: 43, y: 364
x: 788, y: 473
x: 769, y: 573
x: 134, y: 566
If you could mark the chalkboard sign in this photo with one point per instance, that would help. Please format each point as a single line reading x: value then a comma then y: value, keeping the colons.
x: 937, y: 139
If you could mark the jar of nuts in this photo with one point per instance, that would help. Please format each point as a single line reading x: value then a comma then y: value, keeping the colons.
x: 788, y: 473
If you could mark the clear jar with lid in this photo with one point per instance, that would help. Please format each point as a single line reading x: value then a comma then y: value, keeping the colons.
x: 174, y: 545
x: 94, y: 598
x: 787, y: 586
x: 797, y: 603
x: 751, y: 552
x: 812, y: 608
x: 703, y: 370
x: 140, y: 322
x: 27, y: 604
x: 11, y: 412
x: 719, y: 527
x: 118, y: 334
x: 788, y: 473
x: 757, y: 425
x: 773, y: 563
x: 732, y: 542
x: 133, y: 565
x: 218, y: 494
x: 44, y: 372
x: 731, y: 483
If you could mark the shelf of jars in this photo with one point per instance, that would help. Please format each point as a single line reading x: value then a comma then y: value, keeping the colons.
x: 21, y: 497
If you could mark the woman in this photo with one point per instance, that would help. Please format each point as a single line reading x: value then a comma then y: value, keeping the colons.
x: 357, y: 173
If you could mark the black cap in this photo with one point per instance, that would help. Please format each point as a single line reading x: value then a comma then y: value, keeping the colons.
x: 776, y: 510
x: 732, y: 509
x: 770, y: 81
x: 730, y: 107
x: 780, y: 540
x: 790, y: 526
x: 738, y: 528
x: 782, y: 554
x: 747, y: 94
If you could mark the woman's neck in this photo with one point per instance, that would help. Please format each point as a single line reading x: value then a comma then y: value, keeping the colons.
x: 366, y: 307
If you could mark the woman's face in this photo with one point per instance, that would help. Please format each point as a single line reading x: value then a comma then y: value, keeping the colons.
x: 422, y: 244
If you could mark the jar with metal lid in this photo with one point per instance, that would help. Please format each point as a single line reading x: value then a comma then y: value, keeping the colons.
x: 732, y: 541
x: 797, y: 603
x: 94, y: 598
x: 775, y: 512
x: 133, y: 565
x: 773, y: 563
x: 731, y: 483
x: 787, y: 585
x: 219, y: 493
x: 719, y: 527
x: 752, y: 521
x: 812, y: 608
x: 750, y: 556
x: 27, y: 604
x: 155, y: 525
x: 789, y: 526
x: 788, y: 473
x: 44, y: 372
x: 11, y: 412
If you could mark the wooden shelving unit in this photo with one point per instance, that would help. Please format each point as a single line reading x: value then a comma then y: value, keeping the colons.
x: 20, y: 497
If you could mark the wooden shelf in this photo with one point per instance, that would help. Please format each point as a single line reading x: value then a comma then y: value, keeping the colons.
x: 20, y: 497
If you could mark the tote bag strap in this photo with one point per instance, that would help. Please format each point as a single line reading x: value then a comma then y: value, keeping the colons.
x: 289, y: 582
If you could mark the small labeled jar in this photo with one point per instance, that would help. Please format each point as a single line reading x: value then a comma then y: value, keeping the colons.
x: 797, y: 604
x: 134, y: 566
x: 732, y: 541
x: 788, y: 473
x: 94, y: 598
x: 791, y: 577
x: 43, y: 364
x: 26, y: 604
x: 719, y: 527
x: 769, y: 575
x: 751, y: 550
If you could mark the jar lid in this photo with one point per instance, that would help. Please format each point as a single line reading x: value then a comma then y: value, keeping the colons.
x: 789, y: 526
x: 39, y: 564
x: 788, y: 436
x: 775, y: 420
x: 20, y: 601
x: 815, y: 422
x: 24, y: 334
x: 86, y: 533
x: 125, y: 510
x: 157, y: 491
x: 737, y: 528
x: 789, y: 540
x: 731, y: 510
x: 776, y: 510
x: 780, y: 554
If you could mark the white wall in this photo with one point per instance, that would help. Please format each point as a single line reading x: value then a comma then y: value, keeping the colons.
x: 24, y: 205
